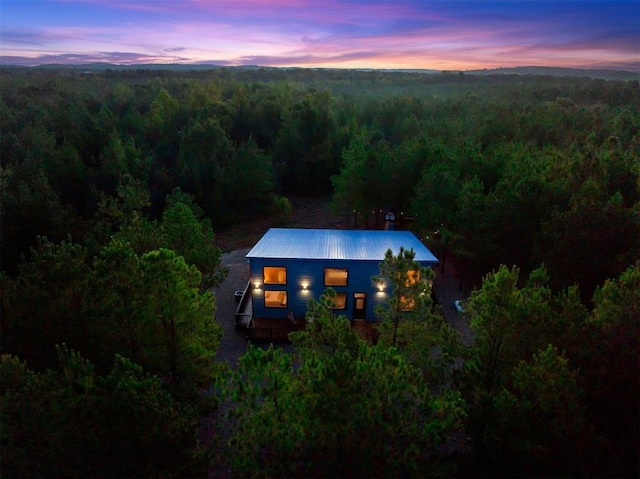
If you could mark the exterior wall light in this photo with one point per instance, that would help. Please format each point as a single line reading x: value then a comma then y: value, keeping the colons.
x: 379, y: 283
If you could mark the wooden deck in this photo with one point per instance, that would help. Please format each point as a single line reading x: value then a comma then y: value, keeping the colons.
x: 270, y: 330
x: 366, y: 330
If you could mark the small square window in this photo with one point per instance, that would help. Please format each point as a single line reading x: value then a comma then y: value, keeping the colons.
x: 339, y: 302
x: 413, y: 276
x: 407, y: 304
x: 336, y: 276
x: 275, y: 299
x: 275, y: 275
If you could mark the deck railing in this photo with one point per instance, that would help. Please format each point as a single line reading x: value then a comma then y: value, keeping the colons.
x: 244, y: 313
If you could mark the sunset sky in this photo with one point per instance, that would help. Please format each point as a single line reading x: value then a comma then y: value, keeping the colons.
x: 441, y: 35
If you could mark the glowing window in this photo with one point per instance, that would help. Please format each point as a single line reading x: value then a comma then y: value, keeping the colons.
x: 339, y: 302
x: 275, y: 275
x: 407, y: 304
x: 335, y: 276
x: 275, y: 299
x: 413, y: 276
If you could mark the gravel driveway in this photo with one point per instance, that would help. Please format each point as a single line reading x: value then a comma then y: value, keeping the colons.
x: 233, y: 343
x: 446, y: 287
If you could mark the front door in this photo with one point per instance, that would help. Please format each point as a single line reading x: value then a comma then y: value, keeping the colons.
x: 359, y: 305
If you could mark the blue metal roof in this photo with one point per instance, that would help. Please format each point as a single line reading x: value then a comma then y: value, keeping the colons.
x: 365, y: 245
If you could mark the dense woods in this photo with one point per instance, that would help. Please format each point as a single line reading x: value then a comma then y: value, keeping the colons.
x: 114, y: 183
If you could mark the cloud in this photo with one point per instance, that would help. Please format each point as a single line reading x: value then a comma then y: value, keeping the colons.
x: 148, y: 6
x: 401, y: 33
x: 118, y: 58
x: 22, y: 38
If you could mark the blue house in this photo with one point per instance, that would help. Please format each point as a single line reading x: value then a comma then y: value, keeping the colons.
x: 290, y: 266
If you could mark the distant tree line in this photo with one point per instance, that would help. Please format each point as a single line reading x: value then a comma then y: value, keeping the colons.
x: 113, y: 184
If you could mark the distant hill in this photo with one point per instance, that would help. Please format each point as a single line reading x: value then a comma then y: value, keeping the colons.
x: 563, y: 72
x: 529, y: 70
x: 206, y: 66
x: 142, y: 66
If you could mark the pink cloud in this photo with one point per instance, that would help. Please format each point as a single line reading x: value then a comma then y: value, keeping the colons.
x: 402, y: 33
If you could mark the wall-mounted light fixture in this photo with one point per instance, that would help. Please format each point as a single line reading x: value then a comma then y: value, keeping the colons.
x: 305, y: 287
x: 256, y: 283
x: 379, y: 284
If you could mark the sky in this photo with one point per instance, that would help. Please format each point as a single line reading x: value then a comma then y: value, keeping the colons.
x: 394, y: 34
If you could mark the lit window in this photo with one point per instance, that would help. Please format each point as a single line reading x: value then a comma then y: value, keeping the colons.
x: 407, y: 304
x: 275, y: 275
x: 339, y: 302
x: 413, y: 276
x: 275, y: 299
x: 335, y: 276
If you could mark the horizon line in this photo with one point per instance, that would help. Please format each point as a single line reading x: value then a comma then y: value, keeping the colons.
x: 292, y: 67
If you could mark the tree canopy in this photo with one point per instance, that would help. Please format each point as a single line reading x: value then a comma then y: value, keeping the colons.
x: 114, y: 184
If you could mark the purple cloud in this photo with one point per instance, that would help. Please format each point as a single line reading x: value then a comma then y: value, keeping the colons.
x: 462, y: 34
x: 118, y: 58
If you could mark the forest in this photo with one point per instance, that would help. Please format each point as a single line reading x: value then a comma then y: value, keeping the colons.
x: 114, y: 183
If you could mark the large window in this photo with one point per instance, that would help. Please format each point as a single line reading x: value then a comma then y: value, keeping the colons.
x: 339, y: 302
x: 407, y: 304
x: 275, y: 275
x: 335, y: 276
x: 275, y: 299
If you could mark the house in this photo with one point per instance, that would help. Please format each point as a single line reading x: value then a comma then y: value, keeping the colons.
x: 288, y: 267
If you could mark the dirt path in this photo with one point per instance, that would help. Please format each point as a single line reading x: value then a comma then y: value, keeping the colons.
x: 446, y: 288
x: 233, y: 343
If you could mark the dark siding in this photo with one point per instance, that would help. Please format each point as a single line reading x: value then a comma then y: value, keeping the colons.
x: 311, y: 273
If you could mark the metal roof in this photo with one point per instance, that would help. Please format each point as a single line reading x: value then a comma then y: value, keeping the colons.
x: 365, y: 245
